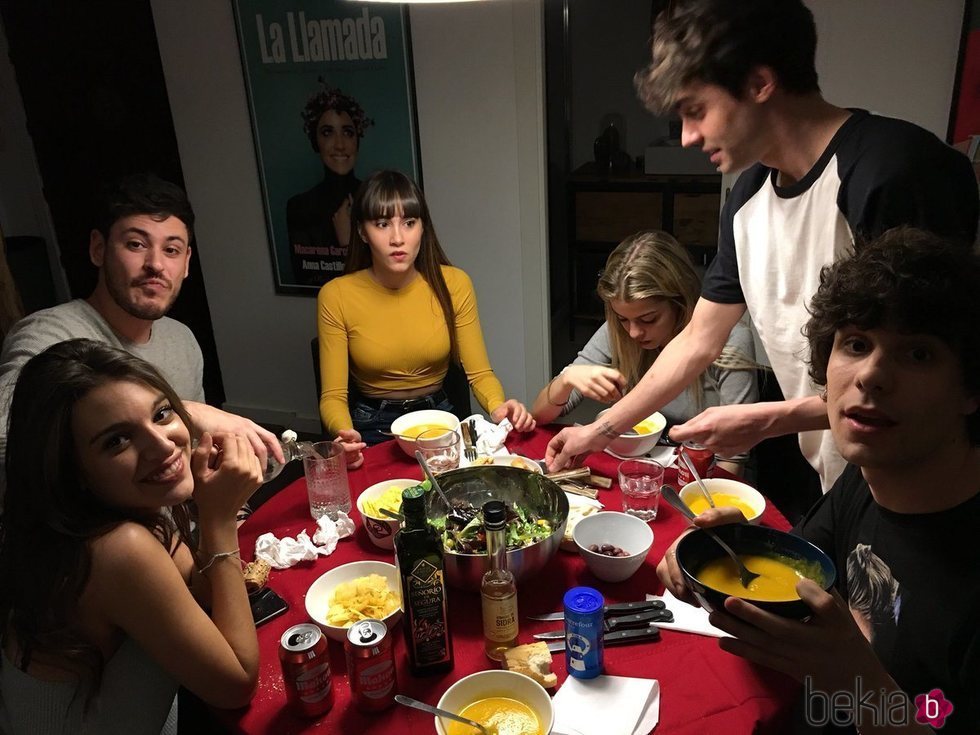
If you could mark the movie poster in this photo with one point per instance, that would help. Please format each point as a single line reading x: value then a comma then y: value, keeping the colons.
x: 331, y: 96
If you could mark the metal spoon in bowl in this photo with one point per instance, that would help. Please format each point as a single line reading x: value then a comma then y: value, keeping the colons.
x: 432, y: 479
x: 745, y: 576
x: 690, y: 465
x: 409, y: 702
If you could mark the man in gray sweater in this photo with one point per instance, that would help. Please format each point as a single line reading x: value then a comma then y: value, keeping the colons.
x: 142, y: 248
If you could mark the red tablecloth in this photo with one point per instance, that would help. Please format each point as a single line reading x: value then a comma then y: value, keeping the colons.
x: 703, y: 689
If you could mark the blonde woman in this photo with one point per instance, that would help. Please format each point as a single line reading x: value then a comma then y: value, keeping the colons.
x: 649, y: 287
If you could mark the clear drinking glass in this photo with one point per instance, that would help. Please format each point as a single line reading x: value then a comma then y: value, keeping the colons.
x: 440, y: 448
x: 640, y: 480
x: 326, y: 480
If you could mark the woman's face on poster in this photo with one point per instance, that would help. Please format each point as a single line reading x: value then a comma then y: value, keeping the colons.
x: 336, y: 139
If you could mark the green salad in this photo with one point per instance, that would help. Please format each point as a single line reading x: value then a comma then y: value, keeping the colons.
x: 463, y: 532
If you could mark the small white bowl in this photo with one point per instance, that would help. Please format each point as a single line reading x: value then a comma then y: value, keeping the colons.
x: 415, y: 418
x: 320, y: 592
x: 746, y: 493
x: 619, y: 529
x: 381, y: 529
x: 636, y: 445
x: 498, y: 683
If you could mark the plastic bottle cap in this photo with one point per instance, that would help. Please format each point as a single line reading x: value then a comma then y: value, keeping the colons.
x: 494, y: 513
x: 289, y: 435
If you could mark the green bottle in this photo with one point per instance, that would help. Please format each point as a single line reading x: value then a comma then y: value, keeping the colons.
x: 418, y: 549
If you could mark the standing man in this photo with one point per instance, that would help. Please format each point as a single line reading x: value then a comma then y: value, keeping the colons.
x: 741, y: 75
x: 142, y: 248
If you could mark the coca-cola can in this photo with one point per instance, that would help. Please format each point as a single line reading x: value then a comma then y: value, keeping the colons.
x: 370, y: 665
x: 306, y: 670
x: 700, y: 456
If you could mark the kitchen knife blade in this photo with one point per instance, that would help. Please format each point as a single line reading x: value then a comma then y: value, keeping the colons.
x: 651, y: 633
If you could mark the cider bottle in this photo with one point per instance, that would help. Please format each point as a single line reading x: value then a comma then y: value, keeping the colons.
x: 498, y: 589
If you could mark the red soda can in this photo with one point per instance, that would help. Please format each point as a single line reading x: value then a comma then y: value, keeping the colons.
x: 370, y: 665
x: 306, y: 670
x: 700, y: 456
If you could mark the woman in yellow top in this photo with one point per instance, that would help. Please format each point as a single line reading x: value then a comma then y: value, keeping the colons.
x: 395, y: 319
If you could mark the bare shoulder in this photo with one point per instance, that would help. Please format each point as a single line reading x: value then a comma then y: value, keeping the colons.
x: 129, y: 547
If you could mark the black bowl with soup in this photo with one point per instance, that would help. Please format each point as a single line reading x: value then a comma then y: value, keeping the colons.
x: 781, y: 558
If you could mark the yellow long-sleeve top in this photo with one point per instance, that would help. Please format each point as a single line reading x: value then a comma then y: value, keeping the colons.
x: 395, y: 340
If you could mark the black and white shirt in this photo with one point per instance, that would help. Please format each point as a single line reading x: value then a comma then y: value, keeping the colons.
x: 875, y: 174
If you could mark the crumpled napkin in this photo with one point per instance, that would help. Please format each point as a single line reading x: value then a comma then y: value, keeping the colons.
x: 286, y: 552
x: 607, y: 705
x: 687, y: 618
x: 491, y: 435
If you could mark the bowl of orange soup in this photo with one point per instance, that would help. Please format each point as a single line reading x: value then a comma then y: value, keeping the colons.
x: 782, y: 560
x: 408, y: 427
x: 512, y: 703
x: 639, y: 438
x: 726, y: 493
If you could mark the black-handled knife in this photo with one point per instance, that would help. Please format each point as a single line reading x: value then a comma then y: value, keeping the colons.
x: 613, y: 610
x: 624, y: 622
x: 650, y: 633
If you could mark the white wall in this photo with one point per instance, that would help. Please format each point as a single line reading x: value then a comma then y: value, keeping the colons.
x: 480, y: 93
x: 894, y: 57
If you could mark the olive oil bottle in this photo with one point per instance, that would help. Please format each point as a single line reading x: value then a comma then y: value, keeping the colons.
x: 418, y: 549
x: 498, y: 589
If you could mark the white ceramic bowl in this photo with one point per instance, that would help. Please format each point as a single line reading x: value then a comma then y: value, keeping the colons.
x: 636, y: 445
x: 619, y: 529
x: 415, y: 418
x: 320, y: 592
x: 746, y: 493
x: 498, y: 683
x: 381, y: 529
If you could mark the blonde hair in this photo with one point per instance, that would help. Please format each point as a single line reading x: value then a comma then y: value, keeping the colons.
x: 653, y: 265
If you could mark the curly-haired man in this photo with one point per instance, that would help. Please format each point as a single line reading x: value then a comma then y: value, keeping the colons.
x: 894, y: 338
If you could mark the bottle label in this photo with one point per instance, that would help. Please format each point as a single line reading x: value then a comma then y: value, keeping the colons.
x: 427, y: 614
x: 500, y: 619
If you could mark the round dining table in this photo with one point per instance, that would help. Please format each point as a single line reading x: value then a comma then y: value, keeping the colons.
x: 703, y: 689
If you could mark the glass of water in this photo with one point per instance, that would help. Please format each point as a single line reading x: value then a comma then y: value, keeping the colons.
x: 640, y: 480
x: 440, y: 449
x: 326, y: 480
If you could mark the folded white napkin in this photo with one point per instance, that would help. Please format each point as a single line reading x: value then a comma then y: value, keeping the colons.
x: 607, y: 705
x: 285, y: 552
x: 687, y: 618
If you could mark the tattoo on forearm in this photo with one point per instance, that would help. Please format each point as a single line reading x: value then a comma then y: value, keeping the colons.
x: 607, y: 430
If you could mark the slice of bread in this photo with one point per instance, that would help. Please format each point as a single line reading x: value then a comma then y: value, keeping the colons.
x: 532, y: 659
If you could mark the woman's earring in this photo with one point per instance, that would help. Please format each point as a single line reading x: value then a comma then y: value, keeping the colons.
x: 823, y: 395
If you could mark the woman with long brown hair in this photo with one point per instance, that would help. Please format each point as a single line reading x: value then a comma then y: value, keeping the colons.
x: 391, y: 325
x: 649, y: 288
x: 103, y: 591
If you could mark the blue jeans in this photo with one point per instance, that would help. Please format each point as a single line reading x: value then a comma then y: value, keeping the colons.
x: 370, y: 417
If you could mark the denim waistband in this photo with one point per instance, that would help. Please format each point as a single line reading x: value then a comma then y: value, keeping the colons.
x: 406, y: 404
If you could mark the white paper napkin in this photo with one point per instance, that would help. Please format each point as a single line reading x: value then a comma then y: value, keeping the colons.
x: 491, y: 436
x: 286, y: 552
x: 607, y: 705
x: 687, y: 618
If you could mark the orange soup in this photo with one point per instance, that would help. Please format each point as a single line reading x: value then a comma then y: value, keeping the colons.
x: 412, y: 432
x: 777, y: 583
x: 501, y: 715
x: 699, y: 505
